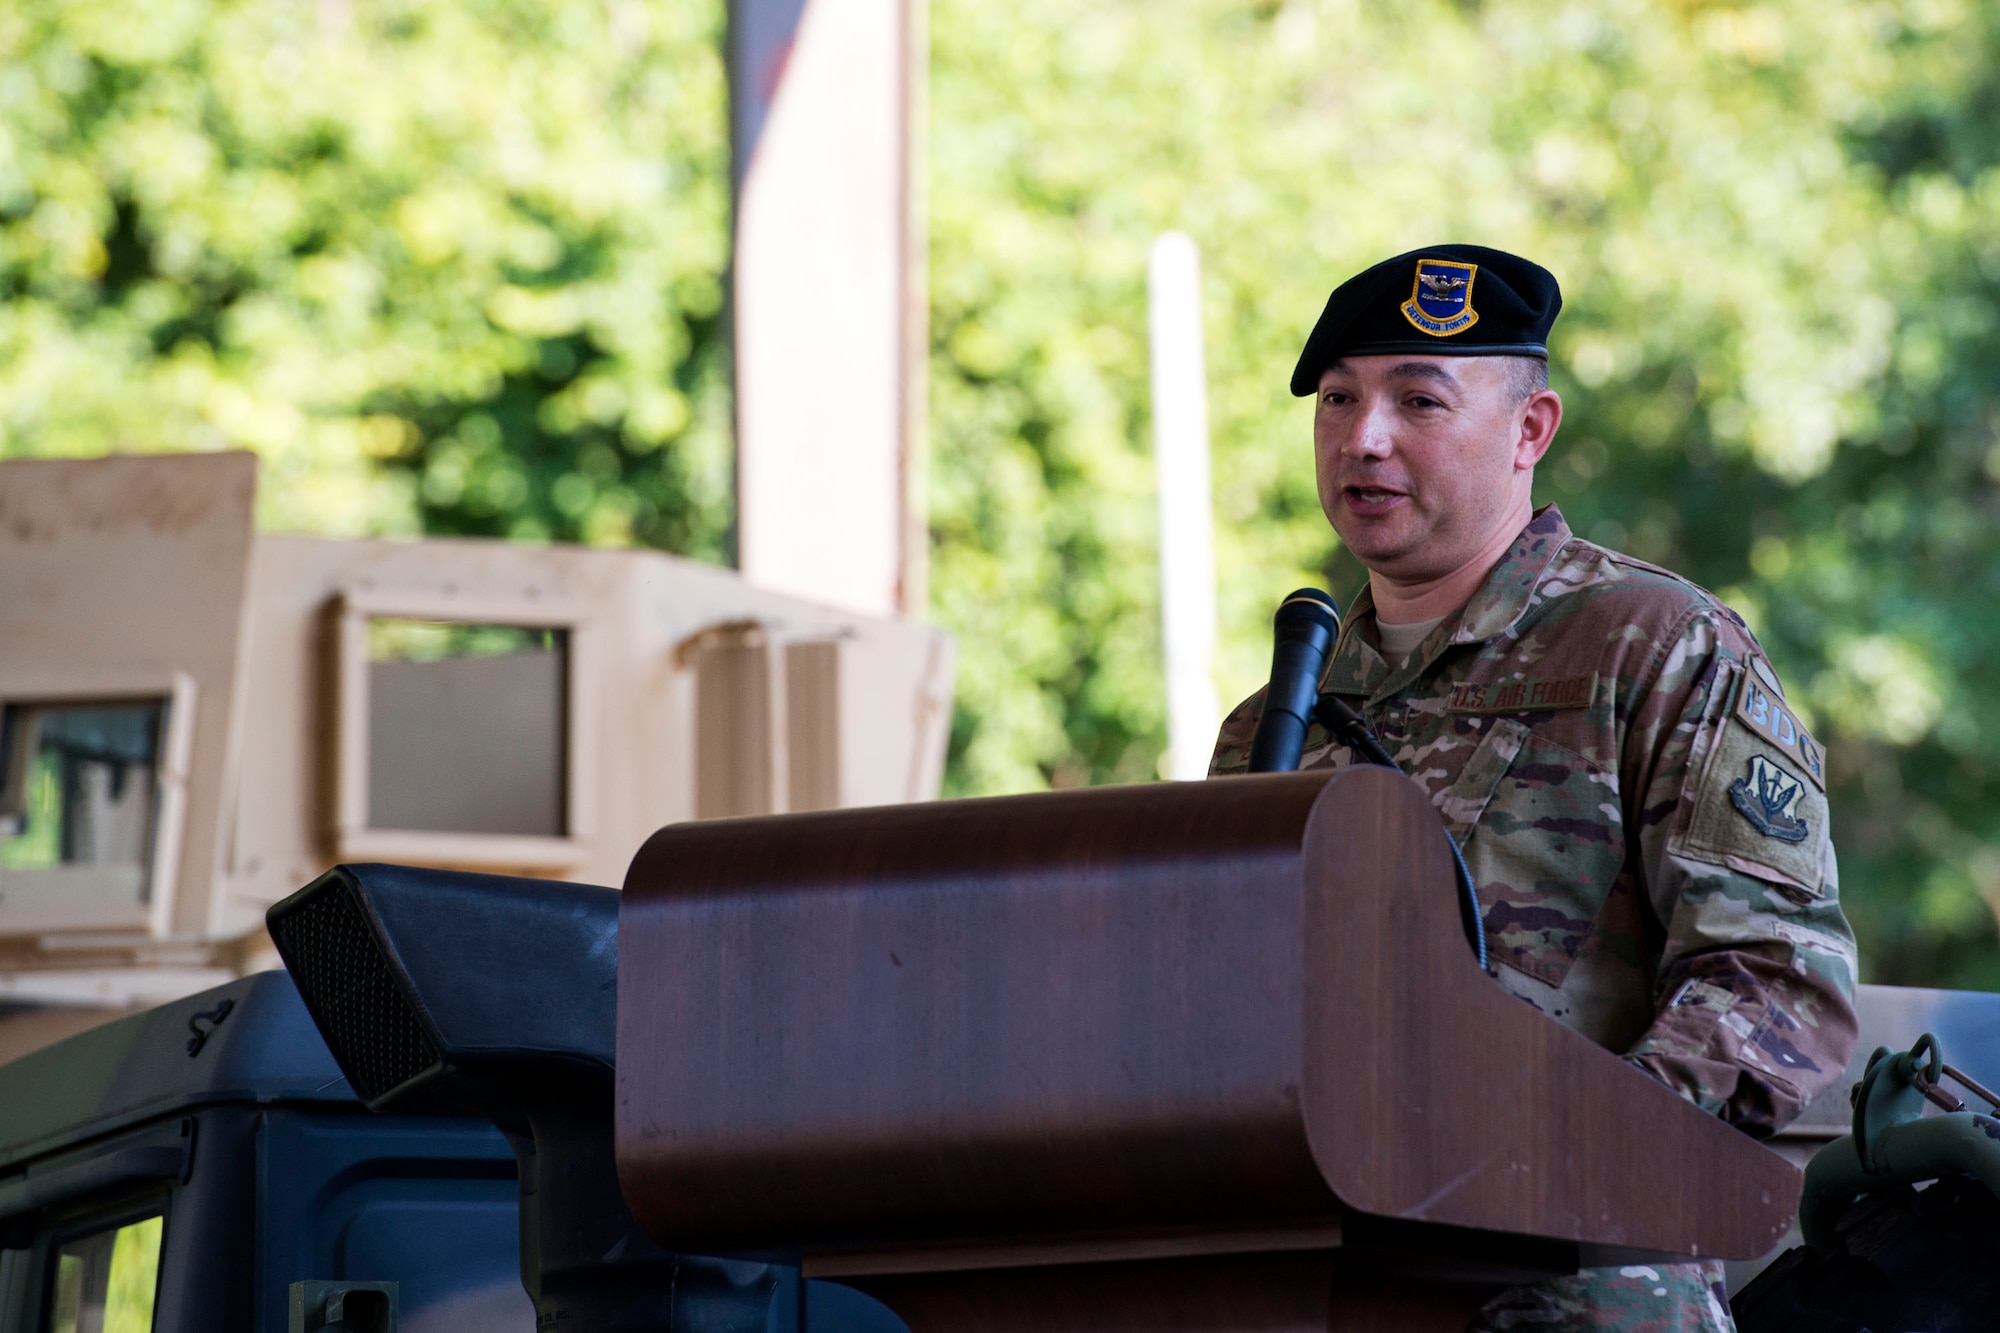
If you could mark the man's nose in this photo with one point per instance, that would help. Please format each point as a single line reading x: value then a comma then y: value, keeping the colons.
x: 1372, y: 434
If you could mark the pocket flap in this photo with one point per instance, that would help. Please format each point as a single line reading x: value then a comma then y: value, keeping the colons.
x: 1465, y: 800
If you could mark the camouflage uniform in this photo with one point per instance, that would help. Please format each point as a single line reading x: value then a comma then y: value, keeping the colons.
x: 1647, y: 824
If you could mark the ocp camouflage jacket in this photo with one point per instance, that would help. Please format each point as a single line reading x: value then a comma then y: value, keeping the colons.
x: 1645, y: 817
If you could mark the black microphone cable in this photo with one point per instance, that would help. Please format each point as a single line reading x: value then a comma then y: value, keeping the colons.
x: 1347, y: 726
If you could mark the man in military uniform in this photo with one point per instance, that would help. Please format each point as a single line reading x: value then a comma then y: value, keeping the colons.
x: 1644, y: 815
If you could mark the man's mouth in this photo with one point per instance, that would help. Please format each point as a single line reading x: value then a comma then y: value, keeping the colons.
x: 1371, y: 499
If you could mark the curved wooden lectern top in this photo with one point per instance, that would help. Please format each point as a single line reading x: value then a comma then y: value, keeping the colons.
x: 1098, y: 1028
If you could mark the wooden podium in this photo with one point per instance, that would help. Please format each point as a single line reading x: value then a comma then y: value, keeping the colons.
x: 1191, y: 1056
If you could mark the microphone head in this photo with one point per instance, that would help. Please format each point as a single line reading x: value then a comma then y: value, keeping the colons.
x: 1309, y: 606
x: 1303, y: 632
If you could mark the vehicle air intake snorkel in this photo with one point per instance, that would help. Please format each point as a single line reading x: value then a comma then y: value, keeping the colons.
x: 453, y: 993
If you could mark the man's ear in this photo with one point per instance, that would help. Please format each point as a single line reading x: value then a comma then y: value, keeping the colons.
x: 1540, y: 416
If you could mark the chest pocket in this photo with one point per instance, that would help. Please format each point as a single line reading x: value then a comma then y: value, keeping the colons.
x: 1543, y: 833
x: 1466, y: 799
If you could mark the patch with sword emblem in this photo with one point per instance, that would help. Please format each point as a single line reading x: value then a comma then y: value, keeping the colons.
x: 1768, y: 797
x: 1755, y: 794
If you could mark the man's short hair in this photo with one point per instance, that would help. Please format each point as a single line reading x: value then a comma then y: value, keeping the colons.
x: 1526, y: 375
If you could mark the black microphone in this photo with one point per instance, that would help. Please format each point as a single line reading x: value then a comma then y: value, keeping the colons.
x: 1305, y: 626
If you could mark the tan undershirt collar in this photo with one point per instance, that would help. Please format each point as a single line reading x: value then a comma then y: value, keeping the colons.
x: 1399, y: 641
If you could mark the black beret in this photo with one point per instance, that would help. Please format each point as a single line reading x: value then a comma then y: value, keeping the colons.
x: 1443, y: 300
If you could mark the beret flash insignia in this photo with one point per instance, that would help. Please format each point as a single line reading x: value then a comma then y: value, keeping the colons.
x: 1768, y: 796
x: 1441, y: 298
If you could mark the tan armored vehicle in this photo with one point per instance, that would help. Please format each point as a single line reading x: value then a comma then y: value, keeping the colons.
x: 196, y: 718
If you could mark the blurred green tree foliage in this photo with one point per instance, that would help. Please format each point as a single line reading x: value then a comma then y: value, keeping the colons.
x: 1776, y: 226
x: 451, y: 265
x: 456, y: 266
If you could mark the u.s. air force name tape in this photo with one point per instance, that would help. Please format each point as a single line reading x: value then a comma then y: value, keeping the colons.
x: 1523, y: 696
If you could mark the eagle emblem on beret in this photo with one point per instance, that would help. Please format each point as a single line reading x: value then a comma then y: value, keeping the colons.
x: 1440, y: 301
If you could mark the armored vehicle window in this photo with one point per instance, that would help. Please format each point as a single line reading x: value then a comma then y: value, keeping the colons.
x: 105, y: 1282
x: 79, y: 798
x: 467, y: 727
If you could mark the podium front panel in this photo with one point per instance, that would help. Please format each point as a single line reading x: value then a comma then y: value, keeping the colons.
x: 1186, y: 1015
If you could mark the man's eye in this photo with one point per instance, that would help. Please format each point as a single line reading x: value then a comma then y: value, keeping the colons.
x: 1334, y: 398
x: 1424, y: 400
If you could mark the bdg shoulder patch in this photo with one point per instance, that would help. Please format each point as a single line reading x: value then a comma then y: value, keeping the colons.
x: 1758, y: 805
x: 1760, y: 708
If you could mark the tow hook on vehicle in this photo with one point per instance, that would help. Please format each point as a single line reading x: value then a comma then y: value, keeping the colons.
x: 343, y: 1307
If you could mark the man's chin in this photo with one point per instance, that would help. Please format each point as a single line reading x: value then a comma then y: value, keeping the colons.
x: 1380, y: 546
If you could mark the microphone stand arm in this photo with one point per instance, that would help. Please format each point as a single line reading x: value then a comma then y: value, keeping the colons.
x: 1346, y: 726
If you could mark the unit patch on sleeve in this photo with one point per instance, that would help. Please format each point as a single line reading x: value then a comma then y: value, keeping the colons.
x: 1755, y: 799
x: 1523, y: 696
x: 1765, y: 713
x: 1768, y: 797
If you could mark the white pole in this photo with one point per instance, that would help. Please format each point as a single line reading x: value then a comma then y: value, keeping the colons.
x: 1187, y: 526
